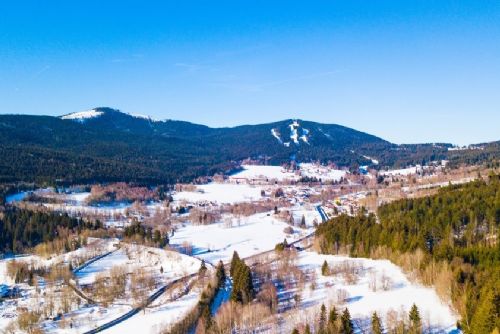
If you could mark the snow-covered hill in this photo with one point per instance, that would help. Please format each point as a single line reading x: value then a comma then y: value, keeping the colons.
x: 81, y: 116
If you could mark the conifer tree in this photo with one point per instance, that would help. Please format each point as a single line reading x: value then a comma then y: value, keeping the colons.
x: 324, y: 269
x: 203, y: 269
x: 415, y: 320
x: 234, y: 263
x: 303, y: 222
x: 220, y: 274
x: 307, y: 330
x: 346, y: 323
x: 322, y: 319
x: 333, y: 316
x: 376, y: 324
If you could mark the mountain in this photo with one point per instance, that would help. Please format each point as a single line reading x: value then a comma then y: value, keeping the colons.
x: 104, y: 144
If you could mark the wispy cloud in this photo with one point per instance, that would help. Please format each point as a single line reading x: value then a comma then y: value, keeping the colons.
x: 241, y: 51
x: 34, y: 75
x: 194, y: 68
x: 257, y: 87
x: 40, y: 72
x: 127, y: 59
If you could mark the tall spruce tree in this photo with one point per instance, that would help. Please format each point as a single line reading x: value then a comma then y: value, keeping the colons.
x: 220, y: 273
x: 376, y: 324
x: 346, y: 326
x: 325, y: 271
x: 234, y: 263
x: 322, y: 319
x: 415, y: 320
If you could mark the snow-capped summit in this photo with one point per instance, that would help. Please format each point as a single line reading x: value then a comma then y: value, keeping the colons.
x: 81, y: 116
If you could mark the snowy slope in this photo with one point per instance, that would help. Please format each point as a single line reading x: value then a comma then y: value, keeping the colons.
x: 362, y: 300
x: 83, y: 115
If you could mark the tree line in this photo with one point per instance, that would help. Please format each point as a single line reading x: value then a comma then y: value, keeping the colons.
x: 456, y: 230
x: 21, y: 229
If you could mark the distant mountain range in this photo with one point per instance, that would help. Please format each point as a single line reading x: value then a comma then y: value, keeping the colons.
x: 105, y: 144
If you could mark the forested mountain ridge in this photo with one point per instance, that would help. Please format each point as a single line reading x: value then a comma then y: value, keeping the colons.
x: 105, y: 144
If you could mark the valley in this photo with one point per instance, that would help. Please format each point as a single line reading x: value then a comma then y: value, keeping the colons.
x: 153, y: 253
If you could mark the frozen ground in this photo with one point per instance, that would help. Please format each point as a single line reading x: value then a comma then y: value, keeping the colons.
x: 165, y: 311
x: 277, y: 172
x: 220, y: 193
x: 88, y: 274
x: 269, y: 172
x: 401, y: 172
x: 321, y: 172
x: 133, y: 256
x: 248, y: 236
x: 362, y: 300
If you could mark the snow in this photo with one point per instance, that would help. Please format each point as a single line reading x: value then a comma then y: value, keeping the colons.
x: 401, y: 172
x: 325, y: 173
x: 362, y: 301
x: 220, y: 193
x: 251, y: 235
x: 321, y: 172
x: 276, y: 135
x: 83, y: 115
x: 374, y: 161
x: 146, y: 117
x: 159, y: 315
x: 86, y: 318
x: 268, y: 172
x: 88, y: 274
x: 169, y: 307
x: 175, y: 264
x: 294, y: 136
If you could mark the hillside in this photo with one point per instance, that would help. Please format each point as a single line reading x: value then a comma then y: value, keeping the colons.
x: 105, y: 144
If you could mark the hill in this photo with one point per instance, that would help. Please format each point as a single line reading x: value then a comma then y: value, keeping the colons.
x: 105, y: 144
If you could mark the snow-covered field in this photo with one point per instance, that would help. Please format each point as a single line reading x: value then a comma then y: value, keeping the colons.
x: 321, y: 172
x: 248, y: 236
x: 165, y: 311
x: 134, y: 256
x: 367, y: 294
x: 251, y: 172
x: 269, y: 172
x: 402, y: 172
x: 220, y: 193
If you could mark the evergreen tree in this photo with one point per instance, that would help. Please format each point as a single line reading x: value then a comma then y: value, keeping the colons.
x: 376, y: 324
x: 295, y: 331
x: 307, y: 330
x: 303, y: 222
x: 243, y: 290
x: 325, y: 271
x: 234, y: 263
x: 220, y: 273
x: 346, y: 326
x: 415, y: 320
x: 487, y: 313
x: 322, y: 319
x: 203, y: 269
x: 333, y: 316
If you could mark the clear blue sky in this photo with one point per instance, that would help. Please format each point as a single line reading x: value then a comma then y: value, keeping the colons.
x: 408, y: 71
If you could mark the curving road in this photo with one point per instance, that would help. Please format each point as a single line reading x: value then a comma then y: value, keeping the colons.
x: 160, y: 291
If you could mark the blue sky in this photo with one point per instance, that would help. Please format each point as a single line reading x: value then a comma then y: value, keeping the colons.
x: 407, y: 71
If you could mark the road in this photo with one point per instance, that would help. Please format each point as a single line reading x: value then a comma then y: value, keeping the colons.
x: 160, y: 291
